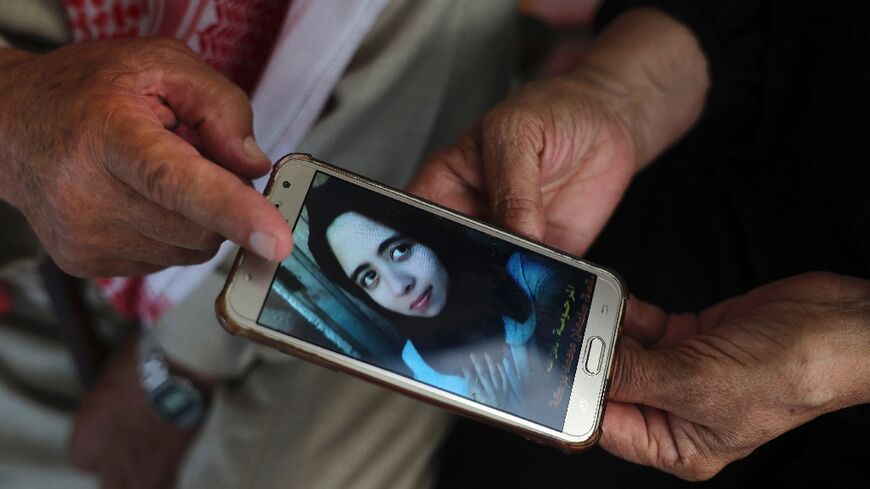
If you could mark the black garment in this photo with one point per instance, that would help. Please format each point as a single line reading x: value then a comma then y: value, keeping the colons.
x: 781, y: 141
x: 771, y: 183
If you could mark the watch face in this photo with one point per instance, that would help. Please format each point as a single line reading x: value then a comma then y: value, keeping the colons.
x: 178, y: 402
x: 173, y: 400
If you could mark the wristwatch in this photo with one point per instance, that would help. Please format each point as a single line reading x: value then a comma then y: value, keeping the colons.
x: 173, y: 397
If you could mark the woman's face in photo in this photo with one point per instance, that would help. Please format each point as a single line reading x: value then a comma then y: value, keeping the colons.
x: 401, y: 275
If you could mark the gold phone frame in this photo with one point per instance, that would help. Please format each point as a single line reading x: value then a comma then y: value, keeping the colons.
x: 251, y: 277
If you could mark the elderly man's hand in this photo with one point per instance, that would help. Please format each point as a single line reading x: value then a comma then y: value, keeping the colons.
x: 692, y: 393
x: 89, y: 155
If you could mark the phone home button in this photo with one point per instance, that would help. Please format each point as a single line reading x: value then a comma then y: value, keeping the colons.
x: 594, y: 353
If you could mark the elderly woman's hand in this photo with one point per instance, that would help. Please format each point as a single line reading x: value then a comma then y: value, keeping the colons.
x: 553, y: 160
x: 692, y: 393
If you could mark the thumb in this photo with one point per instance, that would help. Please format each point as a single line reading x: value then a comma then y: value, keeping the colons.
x: 512, y: 175
x: 653, y: 378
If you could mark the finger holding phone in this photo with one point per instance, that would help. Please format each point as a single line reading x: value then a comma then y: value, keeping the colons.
x: 553, y: 160
x: 91, y: 159
x: 695, y: 392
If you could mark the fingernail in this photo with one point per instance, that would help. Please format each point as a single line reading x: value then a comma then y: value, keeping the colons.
x: 253, y: 149
x: 263, y: 244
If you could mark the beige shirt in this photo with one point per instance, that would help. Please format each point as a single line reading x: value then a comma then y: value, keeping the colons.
x: 42, y: 21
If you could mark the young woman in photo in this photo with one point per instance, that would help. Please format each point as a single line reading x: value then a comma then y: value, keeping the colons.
x: 470, y: 309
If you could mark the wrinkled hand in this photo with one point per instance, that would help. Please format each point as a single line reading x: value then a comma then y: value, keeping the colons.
x: 692, y: 393
x: 117, y: 436
x: 551, y: 162
x: 89, y: 156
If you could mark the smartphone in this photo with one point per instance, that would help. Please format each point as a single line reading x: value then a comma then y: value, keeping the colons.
x: 413, y: 296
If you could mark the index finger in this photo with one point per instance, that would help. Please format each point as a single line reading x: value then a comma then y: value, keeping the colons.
x: 165, y: 169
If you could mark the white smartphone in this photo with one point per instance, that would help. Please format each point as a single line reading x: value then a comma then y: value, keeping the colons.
x: 439, y: 306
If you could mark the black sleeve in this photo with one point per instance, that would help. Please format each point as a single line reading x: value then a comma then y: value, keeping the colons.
x: 733, y: 35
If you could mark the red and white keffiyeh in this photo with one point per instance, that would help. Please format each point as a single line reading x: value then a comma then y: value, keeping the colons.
x: 272, y: 49
x: 234, y: 36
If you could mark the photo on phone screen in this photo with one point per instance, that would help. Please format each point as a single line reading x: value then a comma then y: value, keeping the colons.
x: 422, y: 296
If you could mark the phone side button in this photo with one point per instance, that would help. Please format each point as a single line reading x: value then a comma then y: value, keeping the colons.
x: 594, y: 355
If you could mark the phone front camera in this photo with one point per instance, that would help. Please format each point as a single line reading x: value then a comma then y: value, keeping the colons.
x: 285, y: 184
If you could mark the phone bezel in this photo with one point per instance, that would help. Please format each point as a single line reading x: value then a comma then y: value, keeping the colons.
x: 251, y: 278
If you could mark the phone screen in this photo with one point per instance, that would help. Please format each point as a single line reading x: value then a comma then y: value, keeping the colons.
x: 422, y: 296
